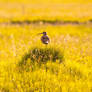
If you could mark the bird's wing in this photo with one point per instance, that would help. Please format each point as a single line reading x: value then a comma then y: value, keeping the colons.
x: 45, y: 39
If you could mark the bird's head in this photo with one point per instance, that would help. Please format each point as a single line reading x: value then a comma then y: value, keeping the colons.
x: 44, y: 33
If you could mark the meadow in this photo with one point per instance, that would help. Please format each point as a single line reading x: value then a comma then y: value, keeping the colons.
x: 69, y: 26
x: 47, y: 10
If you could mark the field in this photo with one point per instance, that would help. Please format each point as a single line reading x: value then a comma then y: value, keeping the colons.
x: 69, y: 26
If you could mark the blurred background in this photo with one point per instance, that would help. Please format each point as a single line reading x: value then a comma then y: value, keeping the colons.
x: 47, y: 10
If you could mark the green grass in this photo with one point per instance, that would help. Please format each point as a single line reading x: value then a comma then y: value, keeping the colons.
x: 72, y: 75
x: 37, y: 54
x: 41, y: 56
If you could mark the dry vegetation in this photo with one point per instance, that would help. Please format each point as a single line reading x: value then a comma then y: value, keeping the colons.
x: 56, y: 10
x: 72, y: 74
x: 24, y: 66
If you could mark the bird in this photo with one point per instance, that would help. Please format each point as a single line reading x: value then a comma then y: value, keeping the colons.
x: 45, y: 39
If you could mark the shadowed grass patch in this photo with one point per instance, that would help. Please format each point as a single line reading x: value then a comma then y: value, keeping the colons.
x: 41, y: 55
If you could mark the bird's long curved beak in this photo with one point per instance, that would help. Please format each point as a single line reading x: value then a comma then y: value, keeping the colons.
x: 39, y: 33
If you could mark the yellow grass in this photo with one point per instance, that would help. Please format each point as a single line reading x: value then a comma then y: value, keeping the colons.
x: 73, y: 37
x: 73, y: 74
x: 45, y: 11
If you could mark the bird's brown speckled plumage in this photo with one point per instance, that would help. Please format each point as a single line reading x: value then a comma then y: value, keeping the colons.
x: 45, y: 39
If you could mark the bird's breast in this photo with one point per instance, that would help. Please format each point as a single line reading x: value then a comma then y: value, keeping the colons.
x: 45, y: 39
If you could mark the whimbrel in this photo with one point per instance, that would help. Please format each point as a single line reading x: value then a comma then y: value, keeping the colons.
x: 45, y: 39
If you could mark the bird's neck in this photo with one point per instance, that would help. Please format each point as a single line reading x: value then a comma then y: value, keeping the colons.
x: 44, y: 35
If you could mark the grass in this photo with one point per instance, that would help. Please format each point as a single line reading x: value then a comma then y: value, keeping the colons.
x: 23, y: 66
x: 40, y: 56
x: 46, y: 1
x: 78, y: 10
x: 43, y: 54
x: 73, y: 74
